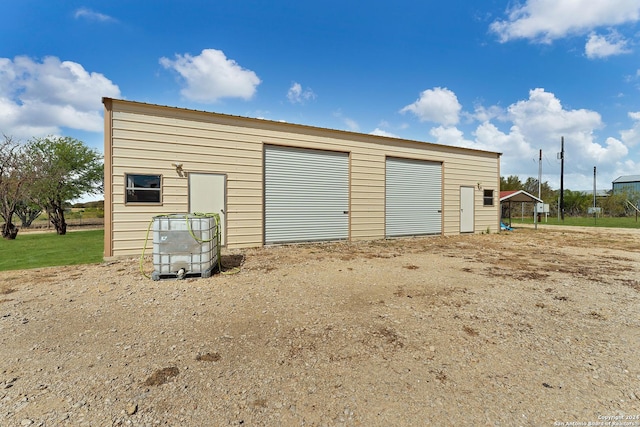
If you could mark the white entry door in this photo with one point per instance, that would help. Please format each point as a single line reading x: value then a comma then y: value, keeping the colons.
x: 467, y: 195
x: 207, y: 195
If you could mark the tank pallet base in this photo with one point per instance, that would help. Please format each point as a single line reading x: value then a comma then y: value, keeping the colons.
x: 156, y: 275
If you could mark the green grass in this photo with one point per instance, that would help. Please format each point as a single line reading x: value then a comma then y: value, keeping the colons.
x: 33, y: 250
x: 615, y: 222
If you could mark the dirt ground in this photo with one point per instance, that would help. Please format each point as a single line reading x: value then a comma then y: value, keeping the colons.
x: 530, y: 327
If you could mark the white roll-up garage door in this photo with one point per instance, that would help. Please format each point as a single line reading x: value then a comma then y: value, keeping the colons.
x: 306, y: 195
x: 413, y: 197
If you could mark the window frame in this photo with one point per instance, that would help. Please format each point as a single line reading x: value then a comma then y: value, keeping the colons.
x: 486, y: 198
x: 143, y: 190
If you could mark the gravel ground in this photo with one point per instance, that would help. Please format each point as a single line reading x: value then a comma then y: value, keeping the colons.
x: 521, y: 328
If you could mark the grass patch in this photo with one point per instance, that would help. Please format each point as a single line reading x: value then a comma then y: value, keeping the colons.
x: 49, y: 249
x: 614, y: 222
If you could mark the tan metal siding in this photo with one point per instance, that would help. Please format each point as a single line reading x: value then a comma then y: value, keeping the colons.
x: 108, y: 178
x: 149, y: 144
x: 145, y: 138
x: 367, y: 193
x: 469, y: 171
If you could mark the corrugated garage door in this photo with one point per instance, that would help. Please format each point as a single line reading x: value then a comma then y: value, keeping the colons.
x: 306, y: 195
x: 413, y: 197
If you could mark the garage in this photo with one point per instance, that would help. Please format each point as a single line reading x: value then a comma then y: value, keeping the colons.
x: 413, y: 197
x: 306, y: 195
x: 276, y: 182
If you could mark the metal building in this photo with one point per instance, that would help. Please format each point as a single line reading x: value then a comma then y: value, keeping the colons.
x: 627, y: 183
x: 274, y: 182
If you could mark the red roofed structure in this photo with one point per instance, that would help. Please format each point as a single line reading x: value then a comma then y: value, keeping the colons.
x: 518, y: 196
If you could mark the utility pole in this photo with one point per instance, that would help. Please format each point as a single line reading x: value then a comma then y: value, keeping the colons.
x: 562, y: 178
x: 595, y: 213
x: 535, y: 208
x: 540, y: 176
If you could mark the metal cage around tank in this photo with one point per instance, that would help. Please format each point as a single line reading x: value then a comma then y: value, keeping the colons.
x: 185, y: 245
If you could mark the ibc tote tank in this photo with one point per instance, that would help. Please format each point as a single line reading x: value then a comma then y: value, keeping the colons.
x: 185, y: 245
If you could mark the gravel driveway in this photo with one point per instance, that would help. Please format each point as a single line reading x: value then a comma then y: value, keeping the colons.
x: 518, y: 328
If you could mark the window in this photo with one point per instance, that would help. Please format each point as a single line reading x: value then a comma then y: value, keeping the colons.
x: 488, y: 198
x: 143, y: 188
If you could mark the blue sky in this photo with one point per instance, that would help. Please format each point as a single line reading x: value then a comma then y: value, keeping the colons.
x: 496, y: 75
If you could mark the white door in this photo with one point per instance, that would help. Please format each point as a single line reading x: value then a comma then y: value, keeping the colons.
x: 207, y: 195
x: 467, y: 195
x: 306, y: 195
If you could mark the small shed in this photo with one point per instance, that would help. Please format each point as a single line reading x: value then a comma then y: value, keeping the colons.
x: 516, y: 196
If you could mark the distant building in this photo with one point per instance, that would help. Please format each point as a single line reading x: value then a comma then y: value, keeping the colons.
x: 627, y: 183
x: 599, y: 193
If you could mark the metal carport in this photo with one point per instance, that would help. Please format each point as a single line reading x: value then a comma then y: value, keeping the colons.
x: 518, y: 196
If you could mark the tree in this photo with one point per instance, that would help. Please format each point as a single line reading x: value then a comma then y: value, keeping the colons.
x: 27, y: 211
x: 576, y: 202
x: 617, y: 203
x: 546, y: 192
x: 614, y: 204
x: 531, y: 186
x: 510, y: 183
x: 14, y: 177
x: 66, y: 169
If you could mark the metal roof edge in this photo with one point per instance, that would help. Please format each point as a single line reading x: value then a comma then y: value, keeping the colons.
x: 626, y: 178
x: 110, y: 101
x: 518, y: 192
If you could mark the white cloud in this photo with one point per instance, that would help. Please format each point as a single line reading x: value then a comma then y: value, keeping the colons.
x: 542, y: 115
x: 627, y: 167
x: 613, y: 151
x: 298, y: 96
x: 514, y: 145
x: 631, y: 137
x: 84, y: 13
x: 450, y: 135
x: 382, y: 125
x: 547, y: 20
x: 211, y: 76
x: 483, y: 114
x: 542, y: 120
x: 605, y: 46
x: 351, y: 124
x: 438, y: 105
x: 38, y: 98
x: 538, y: 123
x: 381, y: 132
